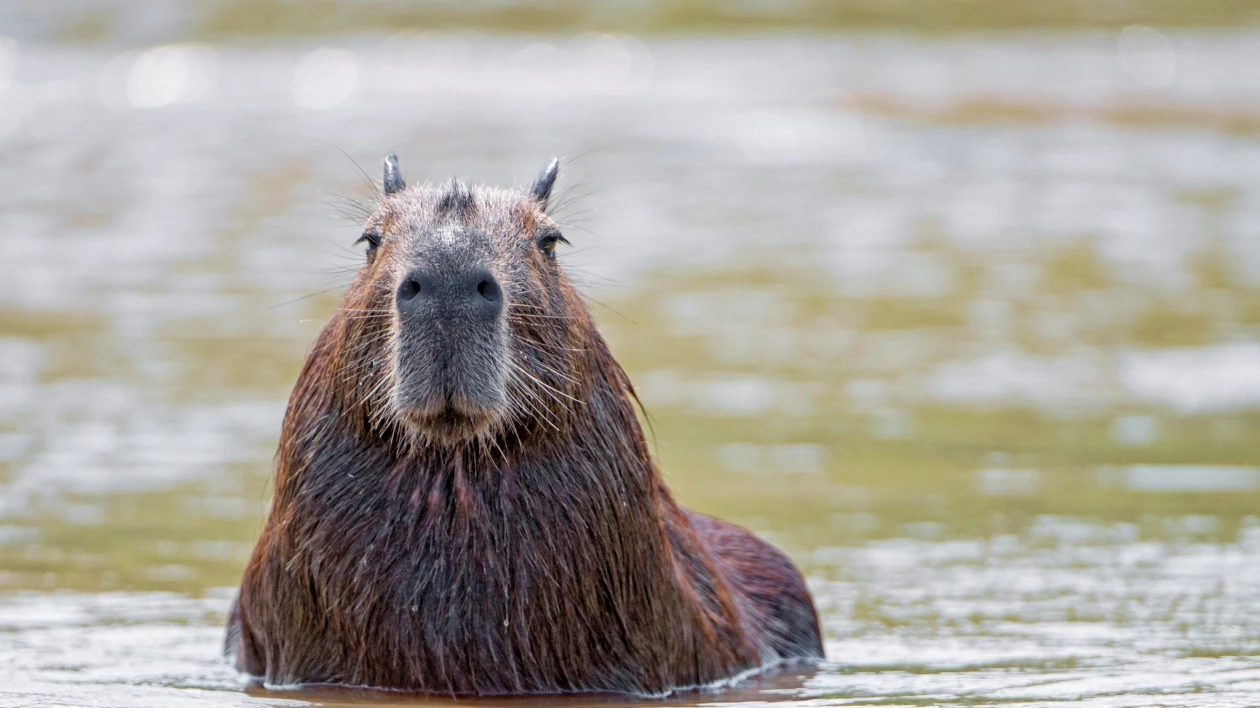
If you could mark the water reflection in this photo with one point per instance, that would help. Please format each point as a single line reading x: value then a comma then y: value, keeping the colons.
x: 1184, y: 478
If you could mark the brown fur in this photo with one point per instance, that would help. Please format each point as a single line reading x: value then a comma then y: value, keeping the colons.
x: 541, y: 554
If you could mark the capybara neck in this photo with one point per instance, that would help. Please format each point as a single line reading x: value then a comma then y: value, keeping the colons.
x: 464, y: 499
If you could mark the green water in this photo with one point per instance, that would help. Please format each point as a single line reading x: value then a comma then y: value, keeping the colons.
x: 970, y: 326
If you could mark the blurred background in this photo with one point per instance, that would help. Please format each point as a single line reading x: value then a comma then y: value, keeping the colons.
x: 958, y: 301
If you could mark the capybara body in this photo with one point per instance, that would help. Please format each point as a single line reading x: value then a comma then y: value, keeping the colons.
x: 464, y: 499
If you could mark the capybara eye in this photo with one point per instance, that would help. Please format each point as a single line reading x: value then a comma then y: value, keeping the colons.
x: 548, y: 240
x: 372, y: 239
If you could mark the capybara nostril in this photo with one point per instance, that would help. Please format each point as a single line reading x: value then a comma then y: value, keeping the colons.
x: 409, y: 289
x: 483, y: 293
x: 446, y: 291
x: 489, y: 291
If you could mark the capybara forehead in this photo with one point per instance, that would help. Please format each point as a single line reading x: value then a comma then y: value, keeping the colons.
x: 501, y: 215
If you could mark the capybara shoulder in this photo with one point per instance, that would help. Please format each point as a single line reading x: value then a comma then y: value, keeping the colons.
x: 772, y: 597
x: 464, y: 500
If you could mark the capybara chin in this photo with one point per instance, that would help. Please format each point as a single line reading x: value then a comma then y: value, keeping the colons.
x: 464, y: 501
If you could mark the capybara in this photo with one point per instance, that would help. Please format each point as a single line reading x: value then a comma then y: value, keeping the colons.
x: 464, y: 499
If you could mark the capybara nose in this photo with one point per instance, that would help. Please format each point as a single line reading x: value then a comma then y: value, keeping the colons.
x: 474, y: 291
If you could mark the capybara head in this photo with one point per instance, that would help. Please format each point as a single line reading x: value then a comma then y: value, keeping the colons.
x: 461, y: 325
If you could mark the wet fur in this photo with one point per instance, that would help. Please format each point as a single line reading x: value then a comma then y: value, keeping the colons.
x: 543, y: 554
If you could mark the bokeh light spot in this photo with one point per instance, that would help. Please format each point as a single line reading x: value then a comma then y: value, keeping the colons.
x: 324, y: 79
x: 1146, y: 56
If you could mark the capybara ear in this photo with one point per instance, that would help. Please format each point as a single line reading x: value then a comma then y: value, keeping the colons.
x: 393, y: 178
x: 546, y: 180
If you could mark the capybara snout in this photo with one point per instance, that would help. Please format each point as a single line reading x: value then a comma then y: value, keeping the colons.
x: 450, y: 337
x: 428, y: 297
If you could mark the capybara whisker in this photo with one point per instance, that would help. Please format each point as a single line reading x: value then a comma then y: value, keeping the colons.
x: 560, y: 374
x: 543, y: 387
x: 532, y: 403
x: 549, y: 346
x: 524, y: 317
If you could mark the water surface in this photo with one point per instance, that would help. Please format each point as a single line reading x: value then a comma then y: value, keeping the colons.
x: 970, y: 326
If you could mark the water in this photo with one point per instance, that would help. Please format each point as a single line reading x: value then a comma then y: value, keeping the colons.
x: 968, y: 325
